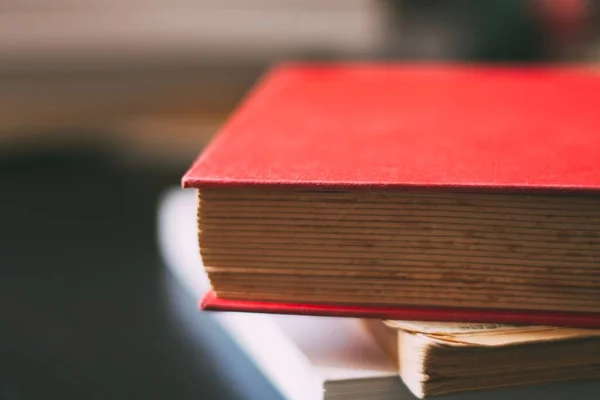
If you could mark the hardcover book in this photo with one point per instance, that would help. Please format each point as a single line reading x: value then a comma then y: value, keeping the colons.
x: 455, y: 193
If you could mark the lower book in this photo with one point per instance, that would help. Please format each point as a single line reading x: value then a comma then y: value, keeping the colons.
x: 439, y: 358
x: 327, y: 358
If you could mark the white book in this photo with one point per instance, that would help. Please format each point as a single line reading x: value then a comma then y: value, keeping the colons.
x: 304, y: 357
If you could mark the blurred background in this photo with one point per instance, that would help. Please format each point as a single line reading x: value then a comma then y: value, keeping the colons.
x: 105, y: 103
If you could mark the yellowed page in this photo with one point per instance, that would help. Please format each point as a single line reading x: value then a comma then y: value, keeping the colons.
x: 490, y: 335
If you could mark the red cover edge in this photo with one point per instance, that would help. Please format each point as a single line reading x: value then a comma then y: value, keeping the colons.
x: 210, y: 302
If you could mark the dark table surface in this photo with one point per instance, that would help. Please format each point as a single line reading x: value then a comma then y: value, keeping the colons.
x: 87, y: 308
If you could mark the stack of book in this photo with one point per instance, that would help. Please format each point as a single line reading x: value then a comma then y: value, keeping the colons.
x: 411, y: 195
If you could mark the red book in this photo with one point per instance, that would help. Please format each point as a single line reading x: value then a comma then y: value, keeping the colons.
x: 451, y: 192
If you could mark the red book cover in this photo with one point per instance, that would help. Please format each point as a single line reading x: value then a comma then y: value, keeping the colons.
x: 211, y: 302
x: 411, y: 126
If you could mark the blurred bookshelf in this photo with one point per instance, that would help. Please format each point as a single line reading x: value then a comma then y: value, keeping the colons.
x: 154, y: 80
